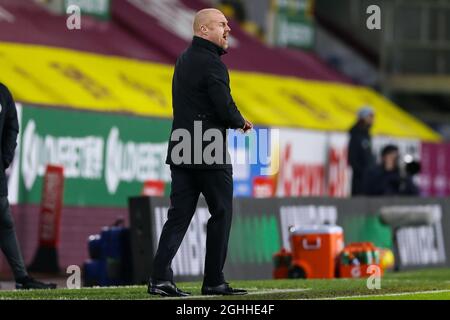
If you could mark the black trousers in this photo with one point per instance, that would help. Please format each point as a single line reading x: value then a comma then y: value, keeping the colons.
x: 187, y: 184
x: 357, y: 185
x: 8, y: 240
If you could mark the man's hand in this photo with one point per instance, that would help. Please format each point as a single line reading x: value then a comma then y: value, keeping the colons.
x: 248, y: 126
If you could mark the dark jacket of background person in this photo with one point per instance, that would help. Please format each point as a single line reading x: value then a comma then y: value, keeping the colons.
x: 360, y: 156
x: 9, y: 129
x: 381, y: 182
x: 201, y: 92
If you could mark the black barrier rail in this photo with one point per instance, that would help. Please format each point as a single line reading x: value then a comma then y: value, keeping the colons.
x: 261, y: 227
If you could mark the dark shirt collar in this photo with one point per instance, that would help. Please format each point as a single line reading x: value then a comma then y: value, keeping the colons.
x: 203, y: 43
x: 361, y: 128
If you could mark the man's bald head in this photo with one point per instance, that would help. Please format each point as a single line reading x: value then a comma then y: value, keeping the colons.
x: 211, y: 24
x: 203, y: 17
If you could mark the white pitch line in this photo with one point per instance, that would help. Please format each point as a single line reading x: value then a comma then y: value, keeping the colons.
x: 248, y: 294
x: 380, y: 295
x: 278, y: 291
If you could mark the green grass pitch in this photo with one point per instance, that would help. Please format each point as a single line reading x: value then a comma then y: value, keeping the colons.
x: 424, y: 284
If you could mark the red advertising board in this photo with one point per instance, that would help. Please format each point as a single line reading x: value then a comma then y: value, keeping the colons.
x: 153, y: 188
x: 447, y: 168
x: 51, y: 206
x: 302, y: 163
x: 263, y: 187
x: 435, y: 169
x: 338, y: 171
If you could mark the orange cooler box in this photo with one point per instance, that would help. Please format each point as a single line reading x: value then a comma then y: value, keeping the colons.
x: 315, y: 250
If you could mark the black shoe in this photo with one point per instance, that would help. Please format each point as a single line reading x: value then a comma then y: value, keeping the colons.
x: 223, y: 289
x: 28, y: 282
x: 165, y: 289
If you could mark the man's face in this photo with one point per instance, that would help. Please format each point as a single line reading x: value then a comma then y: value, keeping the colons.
x: 390, y: 160
x: 218, y: 30
x: 369, y: 120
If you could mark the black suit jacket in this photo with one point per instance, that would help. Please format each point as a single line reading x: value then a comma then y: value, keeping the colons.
x: 379, y: 182
x: 9, y: 129
x: 201, y: 93
x: 360, y: 156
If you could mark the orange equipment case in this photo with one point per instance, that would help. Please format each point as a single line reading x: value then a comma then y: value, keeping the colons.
x: 315, y: 251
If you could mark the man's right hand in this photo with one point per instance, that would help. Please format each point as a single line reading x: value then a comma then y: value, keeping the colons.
x: 248, y: 126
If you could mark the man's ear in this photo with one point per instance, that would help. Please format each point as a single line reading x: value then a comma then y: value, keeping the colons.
x: 204, y: 29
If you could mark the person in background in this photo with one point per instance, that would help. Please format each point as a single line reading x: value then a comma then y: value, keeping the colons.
x: 387, y: 179
x: 9, y: 129
x: 360, y: 156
